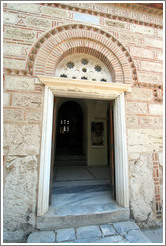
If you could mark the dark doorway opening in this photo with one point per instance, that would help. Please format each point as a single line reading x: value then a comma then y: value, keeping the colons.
x: 71, y: 173
x: 69, y: 129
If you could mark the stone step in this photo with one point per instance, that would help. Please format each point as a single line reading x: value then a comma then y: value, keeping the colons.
x: 70, y: 160
x: 70, y: 163
x: 76, y: 216
x: 69, y: 157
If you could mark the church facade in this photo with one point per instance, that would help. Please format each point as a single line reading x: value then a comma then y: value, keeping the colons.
x: 104, y: 63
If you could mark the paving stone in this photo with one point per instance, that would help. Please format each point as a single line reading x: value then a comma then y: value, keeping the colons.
x: 88, y: 232
x: 66, y: 242
x: 41, y: 237
x: 65, y: 234
x: 155, y: 235
x: 136, y: 236
x: 111, y: 239
x: 107, y: 230
x: 84, y: 240
x: 125, y: 226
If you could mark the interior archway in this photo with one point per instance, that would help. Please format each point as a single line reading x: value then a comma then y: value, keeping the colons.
x: 69, y: 129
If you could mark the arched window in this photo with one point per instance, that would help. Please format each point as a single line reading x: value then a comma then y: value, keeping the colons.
x: 82, y: 66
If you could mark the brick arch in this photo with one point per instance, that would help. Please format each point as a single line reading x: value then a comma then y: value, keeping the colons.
x: 76, y: 49
x: 62, y: 41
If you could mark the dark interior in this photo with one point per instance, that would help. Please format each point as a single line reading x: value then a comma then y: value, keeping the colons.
x: 69, y: 129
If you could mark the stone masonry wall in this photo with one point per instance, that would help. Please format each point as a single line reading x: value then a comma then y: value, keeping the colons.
x: 22, y: 115
x: 141, y: 34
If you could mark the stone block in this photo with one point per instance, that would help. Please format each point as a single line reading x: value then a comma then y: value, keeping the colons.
x: 151, y: 66
x: 142, y: 29
x: 155, y: 235
x: 150, y: 78
x: 137, y: 237
x: 112, y: 239
x: 115, y: 23
x: 88, y: 232
x: 16, y: 49
x: 41, y: 237
x: 136, y: 108
x: 160, y: 33
x: 160, y: 56
x: 132, y: 121
x: 125, y: 226
x: 144, y: 140
x: 63, y: 235
x: 13, y: 114
x: 156, y: 109
x: 141, y: 52
x: 17, y: 33
x: 130, y: 38
x: 9, y: 18
x: 107, y: 230
x: 20, y: 196
x: 86, y: 240
x: 20, y: 139
x: 152, y: 122
x: 27, y: 100
x: 12, y: 49
x: 161, y: 158
x: 14, y: 64
x: 12, y: 18
x: 33, y: 115
x: 144, y: 94
x: 25, y: 7
x: 19, y: 83
x: 152, y: 42
x: 13, y: 236
x: 6, y: 99
x: 53, y: 12
x: 38, y: 22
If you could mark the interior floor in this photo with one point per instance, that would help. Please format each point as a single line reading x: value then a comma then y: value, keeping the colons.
x: 78, y: 186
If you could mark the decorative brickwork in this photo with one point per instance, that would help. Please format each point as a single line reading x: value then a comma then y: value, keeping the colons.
x: 113, y: 11
x: 158, y: 94
x: 158, y: 206
x: 48, y: 51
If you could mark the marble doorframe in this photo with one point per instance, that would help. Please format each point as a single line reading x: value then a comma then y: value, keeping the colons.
x: 113, y: 91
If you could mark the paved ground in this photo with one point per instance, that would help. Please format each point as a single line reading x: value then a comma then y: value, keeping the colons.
x: 85, y: 187
x: 155, y: 235
x: 120, y: 232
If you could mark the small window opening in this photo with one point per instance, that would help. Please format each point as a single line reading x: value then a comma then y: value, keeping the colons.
x: 70, y: 65
x: 84, y: 61
x: 63, y: 75
x: 84, y: 70
x: 97, y: 68
x: 84, y: 77
x: 64, y: 126
x: 104, y: 80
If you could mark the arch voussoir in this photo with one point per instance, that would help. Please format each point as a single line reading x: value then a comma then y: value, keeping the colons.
x: 61, y: 41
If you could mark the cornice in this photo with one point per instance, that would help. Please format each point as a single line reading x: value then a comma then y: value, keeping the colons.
x: 96, y: 10
x: 141, y: 8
